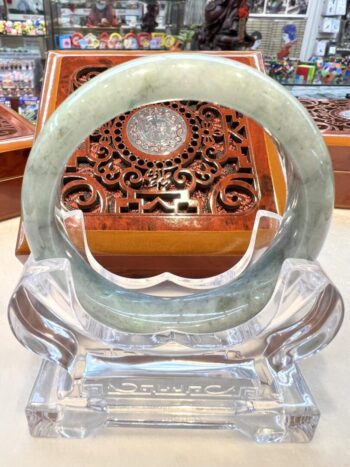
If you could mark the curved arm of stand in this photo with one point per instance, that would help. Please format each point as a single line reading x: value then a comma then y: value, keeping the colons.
x: 303, y: 315
x: 310, y: 334
x: 39, y: 330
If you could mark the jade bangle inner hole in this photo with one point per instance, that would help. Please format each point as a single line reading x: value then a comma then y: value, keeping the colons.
x: 214, y: 143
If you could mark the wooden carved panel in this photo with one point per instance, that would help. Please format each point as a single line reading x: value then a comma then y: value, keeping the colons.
x: 331, y: 116
x: 198, y: 162
x: 16, y: 136
x: 15, y: 132
x: 13, y: 126
x: 7, y: 129
x: 333, y: 119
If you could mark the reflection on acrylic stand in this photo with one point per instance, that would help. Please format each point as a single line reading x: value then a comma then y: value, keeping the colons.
x: 245, y: 378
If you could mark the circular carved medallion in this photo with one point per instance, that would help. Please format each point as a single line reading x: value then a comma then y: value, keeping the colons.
x: 345, y: 114
x: 156, y: 130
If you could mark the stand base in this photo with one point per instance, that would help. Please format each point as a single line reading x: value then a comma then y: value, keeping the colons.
x: 204, y: 392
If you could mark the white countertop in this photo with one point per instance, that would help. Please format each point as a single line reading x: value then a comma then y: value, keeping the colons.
x: 328, y: 375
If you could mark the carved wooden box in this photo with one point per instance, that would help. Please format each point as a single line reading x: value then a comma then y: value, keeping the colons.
x: 16, y: 138
x: 333, y: 119
x: 168, y: 187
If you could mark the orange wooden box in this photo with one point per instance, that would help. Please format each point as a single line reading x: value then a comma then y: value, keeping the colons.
x: 16, y: 138
x: 190, y: 211
x: 333, y: 119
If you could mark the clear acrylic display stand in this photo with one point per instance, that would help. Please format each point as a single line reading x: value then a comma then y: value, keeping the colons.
x: 245, y: 378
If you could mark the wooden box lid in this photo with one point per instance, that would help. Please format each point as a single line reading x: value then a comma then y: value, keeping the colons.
x: 16, y: 132
x: 16, y: 138
x: 191, y: 210
x: 333, y: 119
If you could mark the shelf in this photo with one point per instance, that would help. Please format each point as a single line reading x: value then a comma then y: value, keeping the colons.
x: 101, y: 28
x: 87, y: 28
x: 109, y: 50
x: 282, y: 16
x: 345, y: 85
x: 82, y: 4
x: 24, y: 36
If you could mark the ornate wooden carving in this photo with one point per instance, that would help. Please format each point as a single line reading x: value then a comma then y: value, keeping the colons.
x: 333, y: 119
x: 7, y: 129
x: 211, y: 172
x: 331, y: 116
x: 15, y: 131
x: 224, y: 27
x: 149, y: 19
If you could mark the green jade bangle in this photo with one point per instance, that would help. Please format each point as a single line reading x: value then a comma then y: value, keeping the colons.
x: 167, y: 77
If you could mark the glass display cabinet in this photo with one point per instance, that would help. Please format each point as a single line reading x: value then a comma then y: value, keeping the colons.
x: 126, y: 24
x: 22, y: 50
x: 87, y: 24
x: 304, y: 42
x: 22, y: 26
